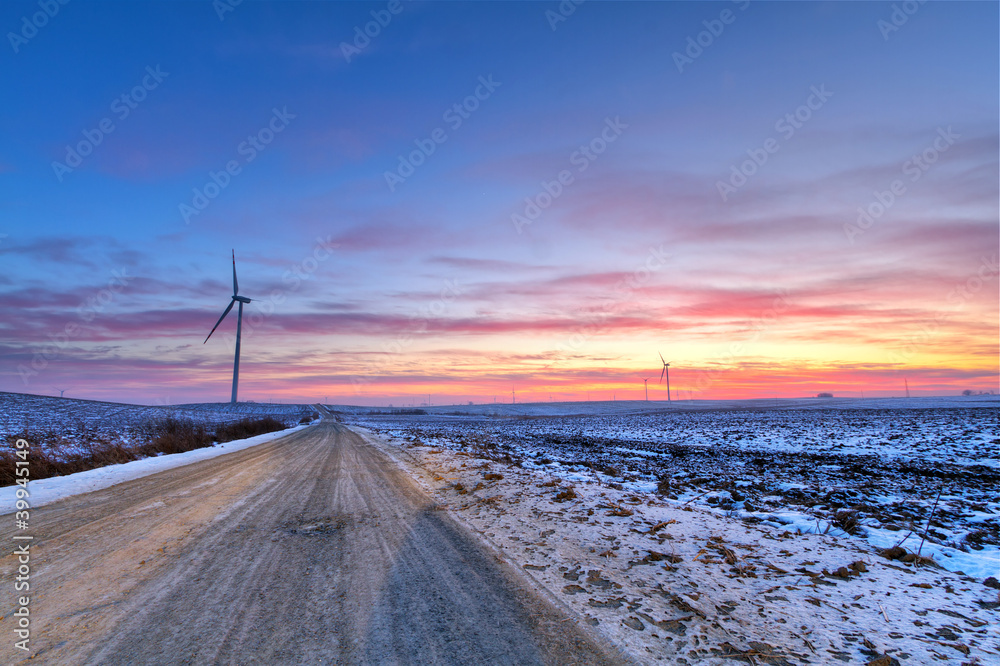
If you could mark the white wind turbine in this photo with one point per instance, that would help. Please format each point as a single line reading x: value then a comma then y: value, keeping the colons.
x: 665, y: 371
x: 239, y: 326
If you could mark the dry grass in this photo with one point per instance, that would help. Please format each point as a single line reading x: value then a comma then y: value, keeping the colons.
x: 848, y: 520
x: 175, y: 436
x: 248, y: 428
x: 44, y: 462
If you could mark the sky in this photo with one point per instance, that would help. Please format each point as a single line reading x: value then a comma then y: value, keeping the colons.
x: 447, y: 202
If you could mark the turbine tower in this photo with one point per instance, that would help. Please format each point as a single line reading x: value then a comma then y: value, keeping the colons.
x: 239, y: 326
x: 646, y: 387
x: 665, y: 371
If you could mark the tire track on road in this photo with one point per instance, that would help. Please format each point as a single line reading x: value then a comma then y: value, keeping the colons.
x: 313, y: 548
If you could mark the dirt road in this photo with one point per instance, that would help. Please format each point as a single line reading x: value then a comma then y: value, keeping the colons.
x: 310, y: 549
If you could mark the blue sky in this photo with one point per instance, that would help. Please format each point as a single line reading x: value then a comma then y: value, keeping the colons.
x: 374, y: 294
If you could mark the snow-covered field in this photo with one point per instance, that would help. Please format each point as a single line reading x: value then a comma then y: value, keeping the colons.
x: 684, y: 584
x: 70, y: 421
x: 873, y: 469
x: 63, y: 426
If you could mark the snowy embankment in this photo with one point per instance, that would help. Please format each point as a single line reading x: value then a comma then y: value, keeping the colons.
x: 46, y: 491
x: 74, y: 421
x: 679, y: 583
x: 64, y: 427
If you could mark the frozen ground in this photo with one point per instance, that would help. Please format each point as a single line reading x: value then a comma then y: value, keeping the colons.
x: 69, y: 421
x: 872, y: 469
x: 684, y: 584
x: 600, y: 407
x: 679, y: 584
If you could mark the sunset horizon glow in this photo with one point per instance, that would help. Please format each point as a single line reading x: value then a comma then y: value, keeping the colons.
x: 472, y: 201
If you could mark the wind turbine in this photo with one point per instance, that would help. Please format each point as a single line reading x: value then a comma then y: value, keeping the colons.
x: 647, y: 387
x: 239, y: 326
x: 665, y: 371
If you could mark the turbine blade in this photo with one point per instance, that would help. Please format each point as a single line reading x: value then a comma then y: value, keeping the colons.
x: 231, y: 304
x: 236, y: 285
x: 661, y: 357
x: 661, y: 373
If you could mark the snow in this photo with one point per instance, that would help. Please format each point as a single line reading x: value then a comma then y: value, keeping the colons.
x: 793, y: 463
x: 46, y: 491
x: 688, y: 584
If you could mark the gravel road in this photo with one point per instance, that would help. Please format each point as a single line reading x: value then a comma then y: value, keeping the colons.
x: 310, y: 549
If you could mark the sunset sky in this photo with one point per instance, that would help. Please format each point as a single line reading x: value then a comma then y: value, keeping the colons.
x: 590, y: 198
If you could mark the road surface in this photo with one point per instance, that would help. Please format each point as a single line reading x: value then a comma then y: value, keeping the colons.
x: 311, y: 549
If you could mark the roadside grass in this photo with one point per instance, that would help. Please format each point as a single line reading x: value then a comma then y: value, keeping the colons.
x: 50, y: 454
x: 248, y: 428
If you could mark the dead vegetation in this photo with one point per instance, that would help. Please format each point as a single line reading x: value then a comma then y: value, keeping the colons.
x: 565, y: 495
x: 248, y: 428
x: 620, y: 511
x: 901, y: 554
x: 847, y: 519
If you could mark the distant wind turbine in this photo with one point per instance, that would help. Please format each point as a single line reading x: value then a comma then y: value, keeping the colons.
x: 61, y: 391
x: 665, y: 371
x: 239, y: 326
x: 646, y: 387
